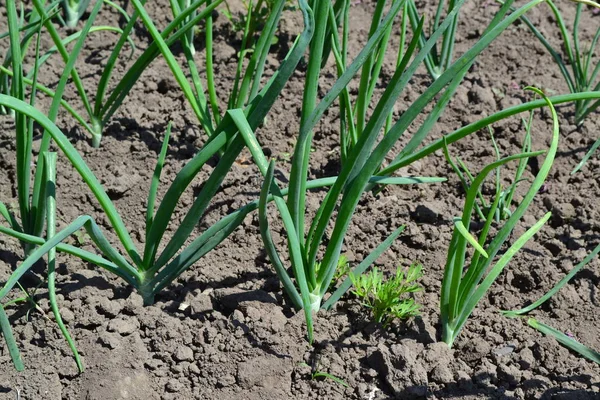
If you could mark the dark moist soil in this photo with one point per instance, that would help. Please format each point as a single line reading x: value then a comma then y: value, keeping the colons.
x: 224, y: 329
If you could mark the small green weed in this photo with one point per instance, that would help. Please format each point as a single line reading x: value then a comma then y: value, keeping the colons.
x: 315, y: 373
x: 82, y: 238
x: 387, y: 298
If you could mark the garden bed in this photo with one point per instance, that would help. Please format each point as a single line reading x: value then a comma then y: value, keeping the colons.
x: 225, y: 330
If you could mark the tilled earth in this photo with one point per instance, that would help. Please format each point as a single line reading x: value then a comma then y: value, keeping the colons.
x: 224, y: 329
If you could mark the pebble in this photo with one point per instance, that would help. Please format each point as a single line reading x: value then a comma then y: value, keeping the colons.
x: 202, y: 304
x: 566, y: 211
x: 562, y: 212
x: 504, y: 350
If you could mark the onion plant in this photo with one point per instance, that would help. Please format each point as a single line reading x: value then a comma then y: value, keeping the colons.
x: 32, y: 25
x: 577, y: 68
x: 354, y: 112
x: 583, y: 76
x: 73, y: 11
x: 29, y: 25
x: 565, y: 340
x: 188, y: 38
x: 36, y: 202
x: 306, y: 285
x: 439, y: 57
x: 246, y: 81
x: 203, y: 101
x: 150, y: 271
x: 45, y: 16
x: 31, y: 198
x: 49, y: 160
x: 464, y: 284
x: 106, y: 103
x: 312, y: 277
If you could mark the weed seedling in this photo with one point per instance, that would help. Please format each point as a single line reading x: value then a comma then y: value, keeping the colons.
x: 387, y: 298
x: 315, y: 374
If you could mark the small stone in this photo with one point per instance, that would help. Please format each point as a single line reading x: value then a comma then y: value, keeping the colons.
x: 183, y: 353
x: 504, y: 350
x: 202, y: 304
x: 238, y: 316
x: 561, y: 212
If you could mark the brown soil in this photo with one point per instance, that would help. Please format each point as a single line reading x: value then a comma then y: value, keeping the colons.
x: 239, y: 339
